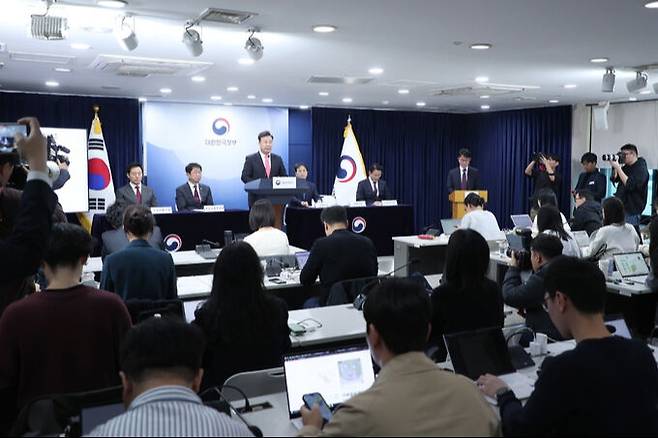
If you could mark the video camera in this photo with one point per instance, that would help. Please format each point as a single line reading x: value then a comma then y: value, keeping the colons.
x: 619, y: 156
x: 520, y: 248
x: 57, y: 153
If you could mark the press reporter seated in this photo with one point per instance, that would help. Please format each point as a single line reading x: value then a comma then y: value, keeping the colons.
x: 549, y: 222
x: 476, y: 218
x: 616, y: 235
x: 373, y: 189
x: 266, y: 239
x: 543, y: 200
x: 606, y: 386
x: 588, y: 215
x: 116, y: 240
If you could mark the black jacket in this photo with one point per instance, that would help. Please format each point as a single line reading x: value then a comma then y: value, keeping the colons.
x: 185, y: 198
x: 343, y: 255
x: 364, y: 191
x: 255, y: 169
x: 455, y: 179
x: 529, y: 297
x: 312, y: 194
x: 588, y: 217
x: 634, y: 193
x: 595, y: 182
x: 116, y: 240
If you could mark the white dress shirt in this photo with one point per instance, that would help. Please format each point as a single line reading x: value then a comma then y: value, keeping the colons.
x: 618, y: 238
x: 484, y: 222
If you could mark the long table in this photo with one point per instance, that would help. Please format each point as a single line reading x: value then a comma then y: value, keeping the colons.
x: 380, y: 224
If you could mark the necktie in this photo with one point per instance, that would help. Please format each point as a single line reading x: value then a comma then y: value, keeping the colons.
x: 197, y: 198
x: 267, y: 165
x: 138, y: 195
x: 464, y: 180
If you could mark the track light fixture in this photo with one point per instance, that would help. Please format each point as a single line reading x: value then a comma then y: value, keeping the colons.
x: 638, y: 83
x: 125, y: 33
x: 608, y: 83
x: 192, y: 40
x: 253, y: 46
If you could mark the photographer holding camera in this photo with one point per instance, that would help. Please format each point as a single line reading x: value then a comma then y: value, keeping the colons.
x: 529, y: 296
x: 543, y: 170
x: 632, y: 178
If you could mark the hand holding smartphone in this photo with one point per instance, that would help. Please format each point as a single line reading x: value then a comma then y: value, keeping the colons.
x: 316, y: 398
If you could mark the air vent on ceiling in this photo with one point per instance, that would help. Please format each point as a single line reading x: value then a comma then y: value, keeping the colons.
x: 145, y: 67
x: 110, y: 87
x: 481, y: 89
x: 40, y: 58
x: 347, y: 80
x: 226, y: 16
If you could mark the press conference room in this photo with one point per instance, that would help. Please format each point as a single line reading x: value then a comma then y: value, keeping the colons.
x: 363, y: 218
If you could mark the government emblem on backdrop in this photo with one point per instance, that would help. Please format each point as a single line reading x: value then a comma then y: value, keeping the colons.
x: 173, y: 242
x: 358, y: 225
x: 221, y: 126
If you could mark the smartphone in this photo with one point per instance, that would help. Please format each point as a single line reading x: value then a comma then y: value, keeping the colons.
x: 316, y: 398
x: 7, y: 133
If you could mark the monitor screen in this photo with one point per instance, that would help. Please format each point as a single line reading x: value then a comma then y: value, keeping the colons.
x: 631, y: 264
x: 450, y: 225
x: 521, y: 221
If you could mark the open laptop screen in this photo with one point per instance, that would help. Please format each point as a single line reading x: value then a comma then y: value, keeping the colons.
x: 301, y: 257
x: 479, y: 352
x: 521, y: 221
x: 337, y: 374
x: 631, y: 264
x: 450, y: 225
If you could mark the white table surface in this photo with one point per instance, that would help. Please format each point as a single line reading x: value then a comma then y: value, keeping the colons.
x: 415, y: 242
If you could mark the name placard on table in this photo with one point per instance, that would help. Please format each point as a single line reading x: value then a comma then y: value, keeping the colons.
x: 161, y: 210
x: 214, y: 208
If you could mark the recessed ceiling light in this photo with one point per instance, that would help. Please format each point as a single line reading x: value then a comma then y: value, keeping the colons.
x: 553, y: 101
x: 323, y: 93
x: 385, y: 102
x: 421, y: 104
x: 347, y: 100
x: 198, y: 78
x: 376, y: 71
x: 52, y: 84
x: 570, y: 86
x: 651, y: 5
x: 482, y: 79
x: 165, y: 90
x: 485, y: 107
x: 632, y: 99
x: 114, y: 4
x: 303, y: 107
x: 481, y: 46
x: 251, y: 97
x: 80, y: 46
x: 232, y: 89
x: 403, y: 91
x: 485, y: 96
x: 246, y: 61
x: 266, y: 100
x: 62, y: 70
x: 645, y: 92
x: 324, y: 28
x: 599, y: 60
x: 142, y: 99
x: 215, y: 98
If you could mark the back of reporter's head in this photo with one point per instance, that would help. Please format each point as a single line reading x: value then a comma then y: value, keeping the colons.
x: 579, y: 280
x: 162, y: 349
x: 334, y: 217
x: 138, y: 221
x: 467, y: 259
x: 613, y: 211
x: 400, y: 312
x: 68, y: 246
x: 544, y: 248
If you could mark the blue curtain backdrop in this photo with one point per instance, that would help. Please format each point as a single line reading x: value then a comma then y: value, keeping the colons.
x: 418, y: 149
x: 120, y: 119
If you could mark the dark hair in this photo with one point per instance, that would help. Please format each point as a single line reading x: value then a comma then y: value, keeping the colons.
x: 162, y: 344
x: 114, y: 215
x: 554, y: 157
x: 298, y: 165
x: 138, y: 220
x: 334, y: 215
x: 238, y: 307
x: 11, y: 158
x: 261, y: 215
x: 375, y: 166
x: 613, y: 211
x: 463, y: 152
x: 653, y: 244
x: 546, y: 245
x: 549, y: 218
x: 131, y: 166
x: 264, y: 134
x: 467, y: 259
x: 190, y: 167
x: 66, y: 244
x: 545, y: 198
x: 582, y: 281
x: 475, y: 200
x: 588, y: 157
x: 584, y: 193
x: 629, y: 147
x: 401, y: 312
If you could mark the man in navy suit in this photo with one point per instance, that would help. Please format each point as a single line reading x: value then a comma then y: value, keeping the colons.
x: 463, y: 177
x: 139, y: 271
x: 304, y: 200
x: 373, y: 189
x: 193, y: 195
x: 136, y: 193
x: 262, y: 164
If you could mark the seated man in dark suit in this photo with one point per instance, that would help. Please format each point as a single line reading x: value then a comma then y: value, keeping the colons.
x: 588, y: 215
x: 342, y: 255
x: 262, y: 164
x: 373, y: 189
x: 304, y: 200
x: 463, y: 177
x: 135, y: 192
x: 193, y: 195
x: 116, y: 240
x: 139, y: 271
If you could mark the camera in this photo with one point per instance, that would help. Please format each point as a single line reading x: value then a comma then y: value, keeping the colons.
x: 537, y: 156
x: 522, y: 257
x: 520, y: 248
x: 619, y: 156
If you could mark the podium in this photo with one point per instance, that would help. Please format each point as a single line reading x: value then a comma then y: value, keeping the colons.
x: 457, y: 200
x: 279, y: 197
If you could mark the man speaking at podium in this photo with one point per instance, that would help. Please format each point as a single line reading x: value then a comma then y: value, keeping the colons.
x: 262, y: 164
x: 463, y: 177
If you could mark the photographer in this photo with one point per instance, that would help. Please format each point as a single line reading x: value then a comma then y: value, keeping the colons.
x: 632, y: 181
x: 543, y: 170
x: 591, y: 178
x: 529, y: 296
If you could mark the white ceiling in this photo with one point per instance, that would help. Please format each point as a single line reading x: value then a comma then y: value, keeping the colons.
x: 545, y: 43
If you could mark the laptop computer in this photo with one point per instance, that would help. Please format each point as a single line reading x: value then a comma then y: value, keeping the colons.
x: 450, y: 225
x: 616, y: 325
x: 336, y: 373
x: 302, y: 258
x: 582, y: 238
x: 92, y: 417
x: 515, y: 241
x: 632, y: 267
x: 521, y: 221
